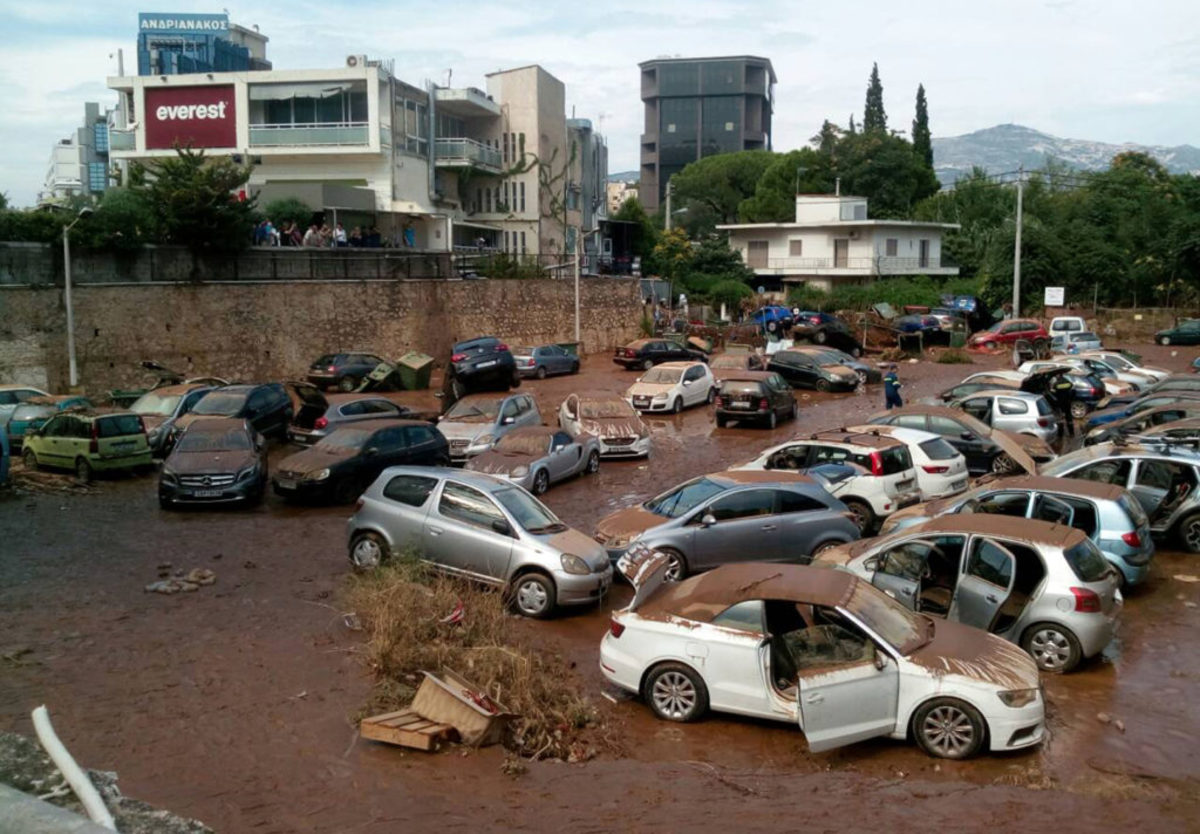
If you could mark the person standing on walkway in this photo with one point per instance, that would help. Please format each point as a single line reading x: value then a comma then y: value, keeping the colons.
x: 891, y: 388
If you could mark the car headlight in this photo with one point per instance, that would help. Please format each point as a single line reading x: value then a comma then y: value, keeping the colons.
x: 1017, y: 698
x: 319, y: 475
x: 248, y: 473
x: 482, y: 440
x: 168, y: 476
x: 574, y: 565
x: 660, y: 398
x: 520, y: 471
x: 154, y: 433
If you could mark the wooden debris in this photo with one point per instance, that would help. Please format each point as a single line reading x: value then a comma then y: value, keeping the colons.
x: 407, y: 729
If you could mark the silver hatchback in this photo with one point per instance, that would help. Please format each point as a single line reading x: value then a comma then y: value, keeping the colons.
x: 1015, y: 411
x: 476, y: 422
x: 482, y: 528
x: 1043, y: 586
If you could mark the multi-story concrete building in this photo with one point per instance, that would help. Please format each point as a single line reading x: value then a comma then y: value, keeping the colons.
x: 833, y: 243
x: 170, y: 43
x: 698, y: 107
x: 79, y: 164
x: 586, y: 191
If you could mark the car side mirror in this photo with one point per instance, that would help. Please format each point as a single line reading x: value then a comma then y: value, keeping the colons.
x: 502, y: 527
x: 371, y: 450
x: 872, y: 563
x: 967, y: 435
x: 639, y: 379
x: 880, y: 660
x: 708, y: 520
x: 508, y: 421
x: 687, y: 382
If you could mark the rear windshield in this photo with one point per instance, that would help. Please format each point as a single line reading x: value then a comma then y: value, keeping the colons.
x: 1043, y: 407
x: 223, y: 403
x: 938, y: 449
x: 152, y: 403
x: 895, y: 460
x: 737, y: 386
x: 119, y: 425
x: 1087, y: 561
x: 327, y: 359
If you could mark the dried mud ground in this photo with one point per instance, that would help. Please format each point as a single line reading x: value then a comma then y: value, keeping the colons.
x: 234, y: 704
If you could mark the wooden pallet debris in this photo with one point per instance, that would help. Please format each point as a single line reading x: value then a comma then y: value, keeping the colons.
x: 407, y: 728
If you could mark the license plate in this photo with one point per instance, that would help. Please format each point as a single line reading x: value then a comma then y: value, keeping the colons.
x: 207, y: 493
x: 902, y: 485
x: 124, y: 444
x: 613, y: 448
x: 959, y: 484
x: 641, y: 401
x: 486, y: 364
x: 739, y: 405
x: 282, y: 484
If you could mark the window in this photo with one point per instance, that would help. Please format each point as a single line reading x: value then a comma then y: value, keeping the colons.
x: 1105, y: 472
x: 747, y: 504
x: 311, y: 104
x: 354, y: 409
x: 56, y: 427
x: 510, y: 410
x: 523, y: 249
x: 693, y: 374
x: 521, y: 152
x: 910, y: 421
x: 756, y: 253
x: 795, y: 248
x: 522, y: 188
x: 97, y: 176
x: 487, y: 200
x: 991, y: 563
x: 1004, y: 503
x: 100, y: 137
x: 827, y: 644
x: 506, y: 249
x: 388, y: 440
x: 1087, y: 561
x: 891, y: 247
x: 743, y: 616
x: 561, y: 440
x: 468, y: 505
x: 1008, y: 406
x: 417, y: 435
x: 938, y: 449
x: 795, y: 502
x: 412, y: 490
x: 119, y: 425
x: 505, y: 152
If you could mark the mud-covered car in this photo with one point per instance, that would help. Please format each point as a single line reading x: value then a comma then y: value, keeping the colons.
x: 744, y: 360
x: 544, y: 360
x: 322, y: 413
x: 802, y: 370
x: 606, y: 416
x: 534, y: 457
x: 345, y: 370
x: 218, y: 460
x: 1145, y: 421
x: 821, y: 649
x: 482, y: 364
x: 672, y: 386
x: 159, y: 408
x: 826, y: 329
x: 986, y: 449
x: 1043, y: 586
x: 477, y: 421
x: 266, y: 405
x: 646, y: 353
x: 754, y: 396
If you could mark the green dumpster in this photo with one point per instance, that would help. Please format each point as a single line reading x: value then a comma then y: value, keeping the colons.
x: 415, y: 369
x: 570, y: 347
x: 958, y: 339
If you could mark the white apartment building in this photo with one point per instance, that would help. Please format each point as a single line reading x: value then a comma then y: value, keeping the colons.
x: 618, y: 191
x: 433, y: 168
x: 832, y: 243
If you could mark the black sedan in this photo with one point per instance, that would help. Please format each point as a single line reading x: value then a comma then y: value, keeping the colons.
x: 344, y: 463
x: 646, y: 353
x: 218, y: 460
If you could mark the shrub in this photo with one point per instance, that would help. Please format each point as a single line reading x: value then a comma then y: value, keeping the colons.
x: 954, y: 356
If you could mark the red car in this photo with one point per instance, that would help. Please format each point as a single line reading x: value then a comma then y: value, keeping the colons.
x: 1007, y: 331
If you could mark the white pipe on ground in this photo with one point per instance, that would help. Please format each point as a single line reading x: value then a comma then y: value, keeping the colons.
x: 76, y: 778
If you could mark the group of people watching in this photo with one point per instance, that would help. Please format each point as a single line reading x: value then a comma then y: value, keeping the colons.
x: 324, y: 237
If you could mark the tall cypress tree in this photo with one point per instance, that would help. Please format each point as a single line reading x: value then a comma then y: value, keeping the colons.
x: 853, y: 129
x: 874, y: 117
x: 921, y: 140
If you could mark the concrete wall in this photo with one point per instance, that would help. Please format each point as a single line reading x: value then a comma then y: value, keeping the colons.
x: 272, y: 331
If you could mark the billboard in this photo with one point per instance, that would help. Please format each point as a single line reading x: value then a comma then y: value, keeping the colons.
x: 203, y: 117
x: 162, y: 23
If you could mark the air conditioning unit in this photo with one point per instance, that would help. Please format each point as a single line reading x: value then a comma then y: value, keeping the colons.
x: 356, y: 60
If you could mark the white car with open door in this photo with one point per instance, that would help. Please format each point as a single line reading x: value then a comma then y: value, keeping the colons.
x: 822, y: 649
x: 1044, y: 586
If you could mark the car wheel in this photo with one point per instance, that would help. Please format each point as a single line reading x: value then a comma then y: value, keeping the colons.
x: 575, y: 368
x: 368, y: 551
x: 822, y: 385
x: 712, y: 395
x: 772, y: 420
x: 541, y: 372
x: 83, y: 471
x: 541, y: 482
x: 720, y: 422
x: 1079, y: 409
x: 676, y: 565
x: 1189, y: 532
x: 675, y: 692
x: 949, y: 728
x: 795, y: 410
x: 457, y: 389
x: 533, y: 595
x: 593, y: 464
x: 29, y: 459
x: 347, y: 491
x: 1164, y: 340
x: 820, y: 337
x: 647, y: 364
x: 863, y: 516
x: 677, y: 406
x: 515, y: 382
x: 1003, y: 464
x: 346, y: 384
x: 1054, y: 648
x: 822, y: 548
x: 164, y: 503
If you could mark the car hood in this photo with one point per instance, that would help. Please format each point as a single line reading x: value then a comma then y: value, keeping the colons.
x: 464, y: 431
x: 648, y: 389
x: 626, y: 523
x: 314, y: 460
x: 972, y: 653
x: 1020, y: 450
x: 188, y: 463
x: 185, y: 420
x: 606, y: 427
x: 586, y: 548
x: 839, y: 370
x: 493, y: 462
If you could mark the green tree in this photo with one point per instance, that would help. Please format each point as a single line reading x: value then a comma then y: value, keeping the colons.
x: 672, y: 254
x: 195, y: 200
x: 827, y: 139
x: 712, y: 188
x: 874, y: 117
x: 289, y: 210
x: 922, y: 141
x: 645, y: 236
x: 3, y: 200
x: 806, y: 171
x: 123, y: 221
x: 883, y: 168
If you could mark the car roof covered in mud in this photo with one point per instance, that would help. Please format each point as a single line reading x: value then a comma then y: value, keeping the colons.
x: 1069, y: 486
x: 1029, y: 530
x: 761, y: 476
x: 872, y: 438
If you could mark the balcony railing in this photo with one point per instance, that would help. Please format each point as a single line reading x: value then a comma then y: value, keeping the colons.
x: 467, y: 153
x: 319, y: 133
x: 870, y: 266
x: 122, y: 140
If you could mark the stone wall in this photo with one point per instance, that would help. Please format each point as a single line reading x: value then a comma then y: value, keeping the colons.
x: 273, y: 330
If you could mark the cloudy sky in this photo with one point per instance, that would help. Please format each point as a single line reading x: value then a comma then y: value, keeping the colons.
x: 1091, y: 69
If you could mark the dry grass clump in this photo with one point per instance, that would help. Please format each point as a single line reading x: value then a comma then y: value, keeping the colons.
x: 954, y: 356
x: 407, y: 612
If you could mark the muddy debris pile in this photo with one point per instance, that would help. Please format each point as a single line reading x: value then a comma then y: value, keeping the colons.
x: 174, y: 581
x: 26, y: 767
x: 25, y: 481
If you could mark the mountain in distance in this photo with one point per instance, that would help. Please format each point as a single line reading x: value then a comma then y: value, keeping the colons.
x: 1007, y: 147
x: 624, y: 176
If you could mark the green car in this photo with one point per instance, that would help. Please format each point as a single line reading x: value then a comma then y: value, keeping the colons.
x: 1187, y: 332
x: 88, y: 442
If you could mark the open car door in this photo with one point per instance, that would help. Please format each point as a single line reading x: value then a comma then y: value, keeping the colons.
x: 646, y: 571
x: 900, y: 570
x: 985, y: 586
x: 1054, y: 510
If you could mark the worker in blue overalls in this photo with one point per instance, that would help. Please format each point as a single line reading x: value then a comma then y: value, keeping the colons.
x: 891, y: 388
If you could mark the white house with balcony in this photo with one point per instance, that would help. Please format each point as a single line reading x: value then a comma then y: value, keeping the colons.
x: 832, y: 243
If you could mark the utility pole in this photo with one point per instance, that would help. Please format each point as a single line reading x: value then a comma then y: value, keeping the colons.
x: 578, y: 235
x: 72, y: 371
x: 668, y: 224
x: 1016, y: 301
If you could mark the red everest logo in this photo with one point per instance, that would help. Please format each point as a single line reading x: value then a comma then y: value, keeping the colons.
x: 203, y: 117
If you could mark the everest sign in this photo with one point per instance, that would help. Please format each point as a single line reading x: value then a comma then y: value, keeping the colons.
x: 203, y: 117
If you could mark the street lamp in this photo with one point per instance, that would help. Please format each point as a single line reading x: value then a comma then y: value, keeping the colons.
x: 580, y: 237
x: 72, y: 373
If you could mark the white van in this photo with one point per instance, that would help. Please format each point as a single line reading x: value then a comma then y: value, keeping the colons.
x: 1062, y: 328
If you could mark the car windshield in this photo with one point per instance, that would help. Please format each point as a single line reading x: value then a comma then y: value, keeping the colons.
x: 31, y: 412
x: 1087, y: 561
x: 529, y: 512
x: 1120, y: 362
x: 152, y: 403
x: 474, y: 410
x: 905, y: 630
x: 523, y: 444
x: 343, y: 440
x: 733, y: 361
x: 222, y: 403
x: 662, y: 376
x: 211, y: 441
x: 683, y: 499
x: 601, y: 409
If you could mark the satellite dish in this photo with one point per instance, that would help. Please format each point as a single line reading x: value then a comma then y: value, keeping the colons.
x: 761, y: 289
